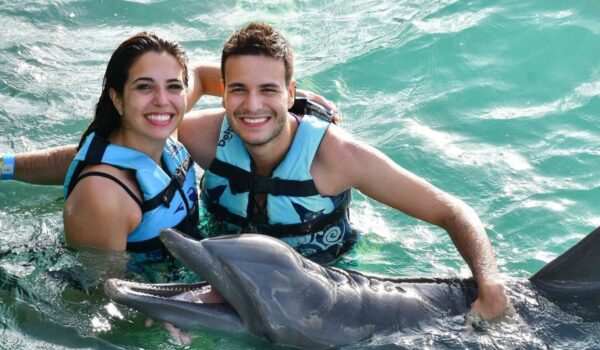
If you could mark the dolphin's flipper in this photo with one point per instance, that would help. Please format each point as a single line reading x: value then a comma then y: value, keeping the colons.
x: 581, y: 263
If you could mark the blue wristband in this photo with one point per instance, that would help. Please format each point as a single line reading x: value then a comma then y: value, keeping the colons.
x: 7, y: 166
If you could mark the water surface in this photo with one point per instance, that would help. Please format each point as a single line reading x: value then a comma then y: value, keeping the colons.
x: 496, y: 102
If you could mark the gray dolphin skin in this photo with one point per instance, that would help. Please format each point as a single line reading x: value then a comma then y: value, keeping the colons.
x: 273, y: 293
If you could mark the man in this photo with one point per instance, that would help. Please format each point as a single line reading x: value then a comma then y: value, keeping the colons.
x: 271, y: 172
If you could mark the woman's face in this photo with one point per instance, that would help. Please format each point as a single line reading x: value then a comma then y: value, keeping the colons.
x: 153, y: 100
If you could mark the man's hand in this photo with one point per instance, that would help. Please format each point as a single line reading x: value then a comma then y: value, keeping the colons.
x: 492, y: 304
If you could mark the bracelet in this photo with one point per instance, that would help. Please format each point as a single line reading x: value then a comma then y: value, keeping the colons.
x: 7, y: 166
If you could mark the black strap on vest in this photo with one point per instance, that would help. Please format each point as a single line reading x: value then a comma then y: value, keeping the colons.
x: 94, y: 155
x: 303, y: 105
x: 241, y: 181
x: 220, y: 213
x: 114, y: 179
x: 96, y: 150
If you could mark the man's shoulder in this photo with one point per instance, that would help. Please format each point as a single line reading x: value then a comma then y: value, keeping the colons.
x: 332, y: 166
x: 340, y: 150
x: 336, y: 138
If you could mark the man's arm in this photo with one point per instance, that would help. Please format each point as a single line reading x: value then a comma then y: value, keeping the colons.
x: 343, y: 162
x: 205, y: 80
x: 45, y: 167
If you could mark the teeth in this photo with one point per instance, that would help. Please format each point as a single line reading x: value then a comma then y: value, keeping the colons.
x: 158, y: 117
x: 254, y: 120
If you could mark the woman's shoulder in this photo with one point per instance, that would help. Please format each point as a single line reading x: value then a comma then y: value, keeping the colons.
x: 99, y: 212
x: 107, y: 190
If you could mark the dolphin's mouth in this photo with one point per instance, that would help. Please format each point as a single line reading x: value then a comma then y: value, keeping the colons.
x: 194, y: 302
x: 199, y: 293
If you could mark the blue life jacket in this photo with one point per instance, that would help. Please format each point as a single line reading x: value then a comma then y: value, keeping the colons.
x: 170, y: 198
x: 295, y: 211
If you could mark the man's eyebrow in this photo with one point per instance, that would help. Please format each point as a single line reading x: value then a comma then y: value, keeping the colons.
x: 270, y: 85
x: 236, y: 84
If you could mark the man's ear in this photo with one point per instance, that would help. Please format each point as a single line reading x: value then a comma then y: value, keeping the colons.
x: 116, y: 100
x: 291, y: 93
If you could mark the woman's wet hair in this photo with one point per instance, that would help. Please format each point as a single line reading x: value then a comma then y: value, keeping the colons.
x: 106, y: 117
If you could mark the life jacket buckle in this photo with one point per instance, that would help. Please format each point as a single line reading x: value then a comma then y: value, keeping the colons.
x: 240, y: 184
x: 262, y: 184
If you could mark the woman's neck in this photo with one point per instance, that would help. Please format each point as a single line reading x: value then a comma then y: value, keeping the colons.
x: 152, y: 148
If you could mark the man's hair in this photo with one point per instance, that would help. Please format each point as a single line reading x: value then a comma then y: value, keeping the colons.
x: 259, y: 39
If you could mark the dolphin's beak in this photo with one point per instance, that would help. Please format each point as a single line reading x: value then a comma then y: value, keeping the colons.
x: 195, y: 305
x: 186, y: 249
x: 177, y: 242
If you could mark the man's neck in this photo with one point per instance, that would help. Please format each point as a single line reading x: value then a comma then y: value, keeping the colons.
x: 268, y: 156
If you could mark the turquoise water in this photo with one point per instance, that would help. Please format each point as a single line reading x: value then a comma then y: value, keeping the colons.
x: 496, y: 102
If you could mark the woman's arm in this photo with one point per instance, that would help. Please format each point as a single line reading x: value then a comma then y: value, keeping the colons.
x: 45, y: 167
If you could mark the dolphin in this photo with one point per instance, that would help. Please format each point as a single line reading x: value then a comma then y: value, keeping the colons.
x: 272, y: 292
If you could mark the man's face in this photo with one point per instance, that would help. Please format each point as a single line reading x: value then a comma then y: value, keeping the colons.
x: 256, y: 98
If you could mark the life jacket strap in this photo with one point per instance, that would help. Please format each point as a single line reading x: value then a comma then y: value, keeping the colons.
x: 95, y: 153
x: 241, y: 181
x: 220, y: 213
x: 165, y: 196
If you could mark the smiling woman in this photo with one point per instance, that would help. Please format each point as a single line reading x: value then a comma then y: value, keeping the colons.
x: 151, y: 104
x: 127, y: 165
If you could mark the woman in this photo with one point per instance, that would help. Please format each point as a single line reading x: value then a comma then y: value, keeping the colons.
x: 129, y: 179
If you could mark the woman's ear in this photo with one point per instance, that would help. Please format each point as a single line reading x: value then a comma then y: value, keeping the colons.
x: 116, y: 100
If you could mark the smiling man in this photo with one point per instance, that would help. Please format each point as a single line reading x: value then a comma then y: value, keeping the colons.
x: 261, y: 159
